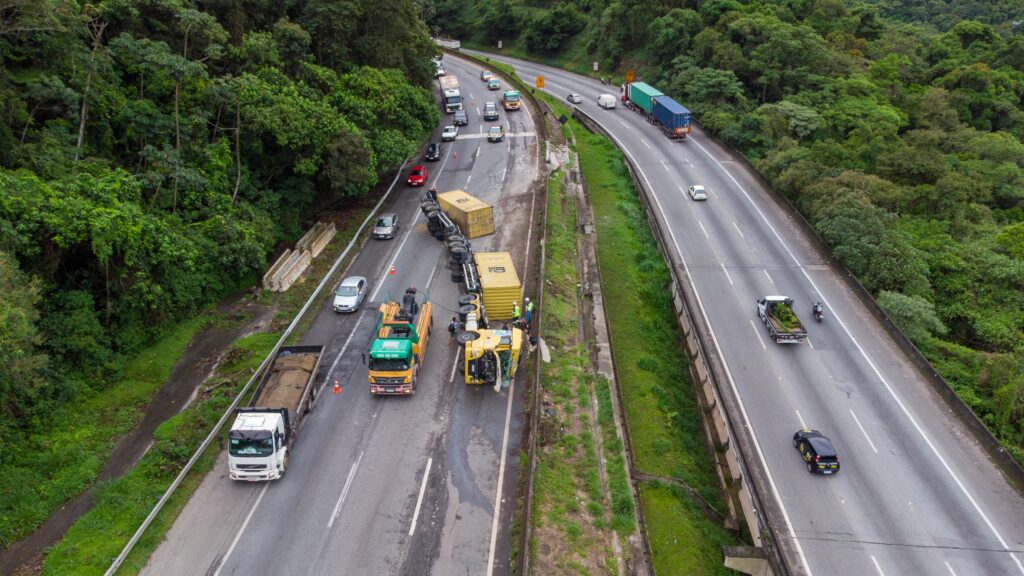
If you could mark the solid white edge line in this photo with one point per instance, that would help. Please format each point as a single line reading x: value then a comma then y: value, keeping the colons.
x: 419, y: 500
x: 344, y: 490
x: 950, y: 568
x: 871, y: 363
x: 241, y: 530
x: 769, y: 276
x: 863, y: 431
x: 877, y: 567
x: 803, y: 425
x: 501, y: 480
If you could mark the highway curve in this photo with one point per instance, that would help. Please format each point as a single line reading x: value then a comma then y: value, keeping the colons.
x: 916, y: 494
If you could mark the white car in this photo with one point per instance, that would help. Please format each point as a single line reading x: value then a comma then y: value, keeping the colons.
x: 350, y: 293
x: 574, y: 98
x: 449, y: 133
x: 485, y: 75
x: 697, y: 192
x: 606, y: 101
x: 440, y: 72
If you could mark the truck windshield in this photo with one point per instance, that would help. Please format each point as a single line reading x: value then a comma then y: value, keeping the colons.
x: 247, y: 447
x: 511, y: 97
x: 389, y: 364
x: 453, y: 99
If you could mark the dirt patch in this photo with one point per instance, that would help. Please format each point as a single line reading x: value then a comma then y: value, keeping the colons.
x: 241, y: 316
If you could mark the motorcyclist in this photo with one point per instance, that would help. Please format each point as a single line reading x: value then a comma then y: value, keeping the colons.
x: 817, y: 309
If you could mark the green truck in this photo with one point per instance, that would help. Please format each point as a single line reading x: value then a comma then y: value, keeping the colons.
x: 640, y: 96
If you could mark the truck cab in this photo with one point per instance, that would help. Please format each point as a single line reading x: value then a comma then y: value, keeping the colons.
x: 258, y: 445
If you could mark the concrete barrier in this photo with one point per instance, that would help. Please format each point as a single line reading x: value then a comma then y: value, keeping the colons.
x: 292, y: 263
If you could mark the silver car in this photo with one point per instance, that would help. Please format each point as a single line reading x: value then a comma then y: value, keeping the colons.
x: 350, y: 293
x: 386, y: 227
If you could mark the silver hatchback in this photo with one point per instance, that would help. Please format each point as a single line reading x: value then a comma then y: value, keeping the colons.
x: 386, y: 227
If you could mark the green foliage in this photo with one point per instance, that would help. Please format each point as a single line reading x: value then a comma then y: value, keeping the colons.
x: 914, y: 315
x: 546, y: 33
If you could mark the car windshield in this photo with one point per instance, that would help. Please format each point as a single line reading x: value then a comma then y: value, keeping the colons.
x: 247, y: 447
x: 388, y: 364
x: 347, y: 291
x: 417, y: 172
x: 383, y: 222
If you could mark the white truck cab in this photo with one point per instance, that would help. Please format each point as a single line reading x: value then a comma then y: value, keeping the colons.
x: 258, y: 448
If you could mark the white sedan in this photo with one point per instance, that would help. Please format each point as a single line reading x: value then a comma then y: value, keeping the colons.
x: 449, y: 133
x: 574, y: 98
x: 697, y: 192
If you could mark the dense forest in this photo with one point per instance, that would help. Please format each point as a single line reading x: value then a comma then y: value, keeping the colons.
x: 154, y: 152
x: 895, y: 127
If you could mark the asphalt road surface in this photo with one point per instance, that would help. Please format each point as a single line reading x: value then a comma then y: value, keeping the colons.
x: 916, y: 494
x: 376, y: 486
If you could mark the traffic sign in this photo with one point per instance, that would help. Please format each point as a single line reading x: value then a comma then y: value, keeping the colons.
x: 540, y: 81
x: 629, y: 76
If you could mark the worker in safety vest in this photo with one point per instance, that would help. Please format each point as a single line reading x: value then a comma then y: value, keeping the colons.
x: 529, y: 311
x: 515, y: 312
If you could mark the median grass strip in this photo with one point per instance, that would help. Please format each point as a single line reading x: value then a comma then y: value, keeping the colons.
x: 661, y: 408
x: 573, y: 516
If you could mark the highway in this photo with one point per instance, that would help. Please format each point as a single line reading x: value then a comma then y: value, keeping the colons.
x: 916, y: 495
x: 415, y: 485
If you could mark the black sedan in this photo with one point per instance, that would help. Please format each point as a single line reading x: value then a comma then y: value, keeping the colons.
x: 817, y: 451
x: 433, y: 152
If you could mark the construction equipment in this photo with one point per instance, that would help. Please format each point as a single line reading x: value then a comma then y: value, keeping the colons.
x: 492, y: 356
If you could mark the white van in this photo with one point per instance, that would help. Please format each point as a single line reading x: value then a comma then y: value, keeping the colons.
x: 606, y: 101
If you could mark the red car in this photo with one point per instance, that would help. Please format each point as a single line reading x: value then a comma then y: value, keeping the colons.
x: 418, y: 177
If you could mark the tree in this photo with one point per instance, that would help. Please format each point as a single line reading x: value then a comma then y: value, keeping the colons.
x: 22, y: 365
x: 914, y: 315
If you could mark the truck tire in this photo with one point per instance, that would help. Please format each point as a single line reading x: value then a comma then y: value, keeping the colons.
x: 284, y: 466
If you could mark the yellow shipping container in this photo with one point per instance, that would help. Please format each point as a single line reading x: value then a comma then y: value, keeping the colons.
x: 499, y: 284
x: 474, y: 216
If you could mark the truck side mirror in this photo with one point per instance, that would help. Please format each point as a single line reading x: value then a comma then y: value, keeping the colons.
x: 364, y: 358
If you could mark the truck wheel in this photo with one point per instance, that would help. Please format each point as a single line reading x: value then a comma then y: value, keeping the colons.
x: 284, y: 465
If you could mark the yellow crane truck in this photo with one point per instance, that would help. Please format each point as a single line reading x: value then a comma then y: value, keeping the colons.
x: 492, y: 357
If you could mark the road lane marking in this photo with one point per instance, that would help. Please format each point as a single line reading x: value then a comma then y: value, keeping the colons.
x: 384, y: 273
x: 874, y: 368
x: 681, y: 191
x: 345, y: 489
x: 877, y: 567
x: 769, y: 276
x: 950, y: 568
x: 501, y: 479
x: 738, y: 231
x: 344, y: 347
x: 863, y: 431
x: 430, y: 281
x: 645, y: 143
x: 419, y: 500
x: 727, y: 276
x: 701, y: 224
x: 757, y: 334
x: 803, y: 425
x: 725, y: 365
x: 503, y: 171
x: 245, y: 524
x: 451, y: 377
x: 665, y: 166
x: 624, y: 125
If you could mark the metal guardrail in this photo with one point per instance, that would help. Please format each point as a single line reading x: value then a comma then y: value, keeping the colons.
x: 256, y: 375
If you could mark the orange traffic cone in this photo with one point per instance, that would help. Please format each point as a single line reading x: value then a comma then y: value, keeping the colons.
x: 392, y: 271
x: 337, y: 387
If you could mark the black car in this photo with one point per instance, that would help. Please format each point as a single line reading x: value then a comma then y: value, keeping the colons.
x: 817, y: 451
x: 433, y: 152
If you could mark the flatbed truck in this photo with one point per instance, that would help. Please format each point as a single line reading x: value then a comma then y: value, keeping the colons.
x: 400, y: 346
x: 777, y: 314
